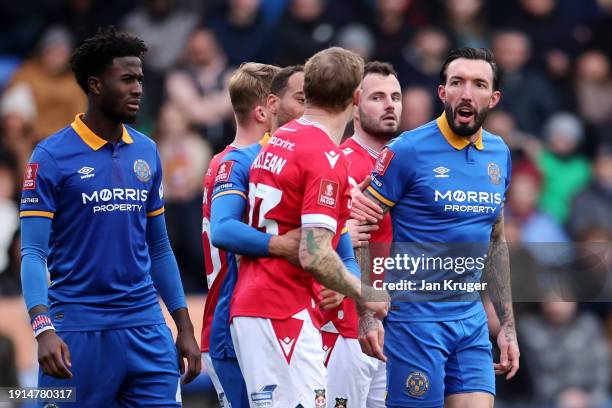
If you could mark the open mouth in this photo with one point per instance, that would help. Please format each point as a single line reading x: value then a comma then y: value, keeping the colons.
x: 389, y: 117
x: 464, y: 114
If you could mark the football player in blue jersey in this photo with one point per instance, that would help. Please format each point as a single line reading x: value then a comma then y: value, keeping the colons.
x: 92, y: 212
x: 445, y: 185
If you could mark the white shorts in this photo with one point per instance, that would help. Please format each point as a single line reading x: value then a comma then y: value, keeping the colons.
x: 281, y: 360
x: 353, y: 378
x: 223, y: 402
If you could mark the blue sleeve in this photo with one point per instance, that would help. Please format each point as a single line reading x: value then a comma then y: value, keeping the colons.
x: 230, y: 233
x: 346, y: 253
x: 393, y: 171
x: 155, y: 199
x: 235, y: 177
x: 35, y: 232
x: 40, y: 185
x: 164, y: 269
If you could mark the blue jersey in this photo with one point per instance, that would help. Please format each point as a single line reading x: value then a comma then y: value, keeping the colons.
x: 237, y: 183
x: 98, y: 196
x: 445, y: 194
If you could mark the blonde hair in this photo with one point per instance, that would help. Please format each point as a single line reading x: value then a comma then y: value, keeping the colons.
x: 249, y: 87
x: 331, y: 77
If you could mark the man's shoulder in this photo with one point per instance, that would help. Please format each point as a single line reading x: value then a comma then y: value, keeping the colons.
x: 140, y: 139
x: 410, y: 139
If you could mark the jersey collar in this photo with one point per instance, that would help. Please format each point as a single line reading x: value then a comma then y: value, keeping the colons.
x: 454, y: 139
x: 264, y: 140
x: 365, y: 147
x: 92, y: 140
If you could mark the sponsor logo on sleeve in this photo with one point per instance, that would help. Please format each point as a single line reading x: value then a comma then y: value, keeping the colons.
x: 224, y: 172
x: 382, y: 163
x: 328, y: 193
x: 341, y: 403
x: 264, y: 397
x: 29, y: 179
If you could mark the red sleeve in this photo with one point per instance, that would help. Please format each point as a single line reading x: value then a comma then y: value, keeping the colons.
x: 324, y: 179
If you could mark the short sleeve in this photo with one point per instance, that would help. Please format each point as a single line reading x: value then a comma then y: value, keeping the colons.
x: 325, y: 180
x: 41, y: 183
x: 233, y: 175
x: 155, y: 200
x: 393, y: 171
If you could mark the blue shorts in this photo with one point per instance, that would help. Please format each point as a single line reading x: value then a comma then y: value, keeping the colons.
x: 427, y: 361
x: 133, y: 367
x: 232, y: 381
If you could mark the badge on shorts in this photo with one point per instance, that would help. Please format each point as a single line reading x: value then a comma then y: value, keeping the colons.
x: 417, y: 384
x: 142, y: 170
x: 320, y: 400
x: 494, y: 173
x: 384, y: 158
x: 29, y: 179
x: 341, y: 403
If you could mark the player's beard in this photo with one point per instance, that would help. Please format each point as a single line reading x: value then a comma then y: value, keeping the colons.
x: 375, y: 128
x: 465, y: 130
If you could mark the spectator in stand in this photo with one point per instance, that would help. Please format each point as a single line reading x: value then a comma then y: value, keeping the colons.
x: 502, y: 123
x: 550, y: 31
x: 420, y: 63
x: 164, y: 27
x: 56, y: 96
x: 565, y: 171
x: 592, y: 208
x: 528, y: 96
x: 393, y: 23
x: 418, y: 107
x: 466, y: 23
x: 9, y: 219
x: 17, y: 115
x: 357, y: 38
x: 243, y: 33
x: 303, y: 32
x: 593, y: 89
x: 198, y: 87
x: 185, y: 156
x: 566, y: 355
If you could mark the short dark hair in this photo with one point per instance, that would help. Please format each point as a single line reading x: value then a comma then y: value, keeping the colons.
x: 279, y: 83
x: 96, y: 53
x: 484, y: 54
x: 380, y: 68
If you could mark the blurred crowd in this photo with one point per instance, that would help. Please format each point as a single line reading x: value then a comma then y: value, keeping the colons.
x: 555, y: 115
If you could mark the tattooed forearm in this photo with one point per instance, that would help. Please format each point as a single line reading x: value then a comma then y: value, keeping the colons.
x: 318, y: 257
x: 497, y: 276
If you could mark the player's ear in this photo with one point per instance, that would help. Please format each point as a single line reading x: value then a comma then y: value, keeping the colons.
x: 272, y: 104
x: 442, y: 93
x: 94, y: 85
x: 494, y: 99
x: 260, y: 114
x: 357, y: 96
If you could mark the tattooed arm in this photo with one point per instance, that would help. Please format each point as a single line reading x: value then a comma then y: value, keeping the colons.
x: 318, y: 257
x: 497, y: 277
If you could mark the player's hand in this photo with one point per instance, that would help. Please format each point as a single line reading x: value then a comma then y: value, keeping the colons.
x: 187, y: 349
x: 53, y: 355
x: 362, y: 208
x: 360, y: 232
x: 508, y: 352
x: 372, y: 336
x: 380, y: 309
x: 330, y: 299
x: 286, y: 246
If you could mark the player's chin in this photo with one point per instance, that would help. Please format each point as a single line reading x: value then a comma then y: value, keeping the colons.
x: 129, y: 116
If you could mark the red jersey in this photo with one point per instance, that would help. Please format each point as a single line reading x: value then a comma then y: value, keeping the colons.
x: 299, y: 179
x: 362, y: 159
x: 344, y: 318
x: 215, y: 260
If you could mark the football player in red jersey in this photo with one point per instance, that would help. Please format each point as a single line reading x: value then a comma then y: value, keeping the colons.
x: 249, y: 88
x: 352, y: 375
x: 299, y: 179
